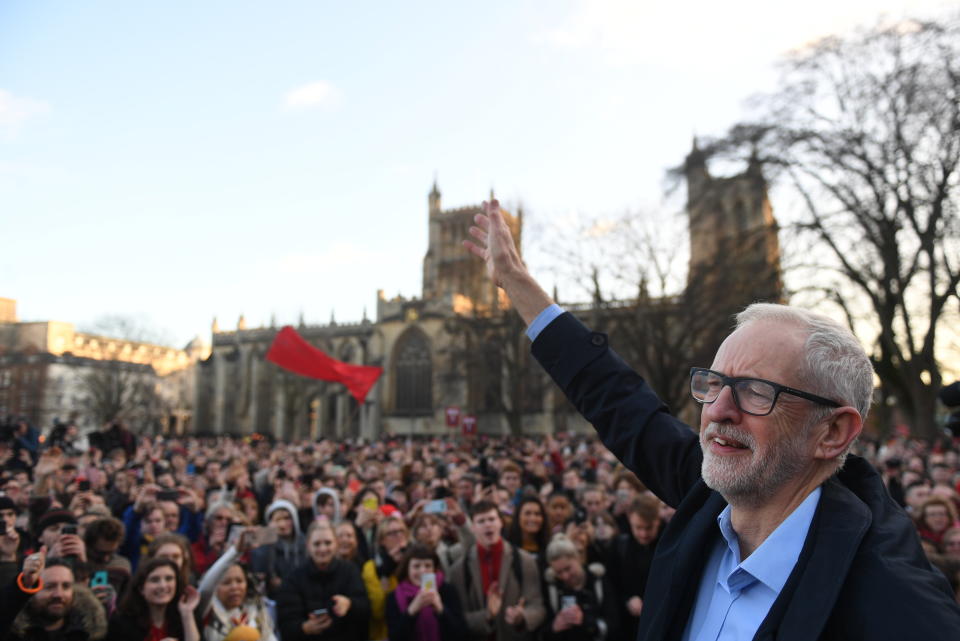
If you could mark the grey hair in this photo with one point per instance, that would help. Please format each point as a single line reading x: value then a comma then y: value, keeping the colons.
x: 835, y: 363
x: 561, y: 547
x: 214, y: 507
x: 836, y: 366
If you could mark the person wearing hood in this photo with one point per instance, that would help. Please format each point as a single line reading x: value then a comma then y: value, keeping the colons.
x: 275, y: 561
x: 327, y: 503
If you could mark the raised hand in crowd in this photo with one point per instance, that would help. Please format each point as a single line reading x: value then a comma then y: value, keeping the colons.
x: 32, y: 567
x: 514, y: 614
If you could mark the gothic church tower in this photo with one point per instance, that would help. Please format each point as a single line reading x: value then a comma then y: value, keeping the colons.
x: 733, y: 235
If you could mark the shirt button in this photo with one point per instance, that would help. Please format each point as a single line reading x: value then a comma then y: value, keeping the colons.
x: 598, y: 339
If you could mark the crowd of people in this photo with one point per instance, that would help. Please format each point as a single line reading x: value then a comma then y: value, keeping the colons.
x: 114, y: 536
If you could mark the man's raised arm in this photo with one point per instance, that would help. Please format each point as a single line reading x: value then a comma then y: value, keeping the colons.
x: 495, y: 245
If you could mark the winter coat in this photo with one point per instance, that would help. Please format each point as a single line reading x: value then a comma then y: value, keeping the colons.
x: 861, y: 573
x: 87, y: 620
x: 308, y: 588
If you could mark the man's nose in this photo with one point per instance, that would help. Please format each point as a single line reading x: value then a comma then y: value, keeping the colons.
x: 724, y: 409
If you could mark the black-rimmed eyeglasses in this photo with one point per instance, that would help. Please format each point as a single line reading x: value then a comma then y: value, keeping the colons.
x: 753, y: 396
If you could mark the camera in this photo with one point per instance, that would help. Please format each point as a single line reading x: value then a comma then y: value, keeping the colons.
x: 83, y: 485
x: 68, y: 528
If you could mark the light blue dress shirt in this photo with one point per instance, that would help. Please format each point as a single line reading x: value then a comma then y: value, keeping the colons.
x: 543, y: 319
x: 734, y: 595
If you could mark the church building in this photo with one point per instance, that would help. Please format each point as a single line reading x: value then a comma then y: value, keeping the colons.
x: 458, y: 351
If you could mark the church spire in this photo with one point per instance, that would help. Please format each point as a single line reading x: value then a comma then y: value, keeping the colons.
x: 434, y: 196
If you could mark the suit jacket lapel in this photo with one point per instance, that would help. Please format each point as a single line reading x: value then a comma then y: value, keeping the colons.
x: 808, y: 598
x: 678, y: 565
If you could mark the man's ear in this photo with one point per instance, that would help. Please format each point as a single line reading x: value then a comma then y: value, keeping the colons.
x: 837, y: 432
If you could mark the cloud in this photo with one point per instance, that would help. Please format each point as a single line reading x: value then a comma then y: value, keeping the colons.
x: 312, y: 96
x: 15, y: 110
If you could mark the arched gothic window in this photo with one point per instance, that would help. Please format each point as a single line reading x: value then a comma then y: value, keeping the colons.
x: 413, y: 374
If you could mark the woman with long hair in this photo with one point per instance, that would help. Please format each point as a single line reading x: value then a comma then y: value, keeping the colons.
x: 157, y: 605
x: 175, y: 547
x: 423, y: 608
x: 530, y: 530
x: 366, y: 516
x: 347, y: 543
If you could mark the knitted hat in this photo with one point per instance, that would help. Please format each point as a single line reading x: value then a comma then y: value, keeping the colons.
x: 53, y: 517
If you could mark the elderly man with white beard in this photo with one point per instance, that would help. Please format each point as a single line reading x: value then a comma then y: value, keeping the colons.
x: 778, y: 534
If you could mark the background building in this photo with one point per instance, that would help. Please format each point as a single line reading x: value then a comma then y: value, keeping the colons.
x: 49, y: 373
x: 459, y: 345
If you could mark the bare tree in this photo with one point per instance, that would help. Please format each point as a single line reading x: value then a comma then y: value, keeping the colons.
x: 865, y: 129
x: 118, y: 390
x: 662, y: 315
x: 492, y: 353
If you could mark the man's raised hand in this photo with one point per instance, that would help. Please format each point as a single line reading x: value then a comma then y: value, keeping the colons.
x: 494, y: 243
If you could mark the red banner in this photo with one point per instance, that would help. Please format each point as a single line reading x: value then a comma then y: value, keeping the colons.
x: 292, y: 352
x: 469, y: 425
x: 453, y: 416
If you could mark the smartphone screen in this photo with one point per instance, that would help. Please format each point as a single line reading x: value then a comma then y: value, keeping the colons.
x: 438, y: 506
x: 428, y: 581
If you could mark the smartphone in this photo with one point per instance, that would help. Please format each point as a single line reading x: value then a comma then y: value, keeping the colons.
x: 168, y: 495
x: 234, y: 533
x: 3, y: 527
x: 428, y: 581
x: 567, y: 601
x: 68, y: 528
x: 263, y: 535
x: 370, y: 503
x: 319, y: 612
x: 83, y: 485
x: 438, y: 506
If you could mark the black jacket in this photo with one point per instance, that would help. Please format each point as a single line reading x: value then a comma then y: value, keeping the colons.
x: 598, y: 601
x: 308, y: 589
x: 400, y: 625
x: 861, y: 573
x: 86, y: 620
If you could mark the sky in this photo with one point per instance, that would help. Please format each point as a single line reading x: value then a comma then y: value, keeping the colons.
x: 179, y: 161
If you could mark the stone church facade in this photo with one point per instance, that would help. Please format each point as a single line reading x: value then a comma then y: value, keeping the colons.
x: 459, y: 345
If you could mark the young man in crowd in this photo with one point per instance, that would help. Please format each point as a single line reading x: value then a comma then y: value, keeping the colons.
x: 498, y: 584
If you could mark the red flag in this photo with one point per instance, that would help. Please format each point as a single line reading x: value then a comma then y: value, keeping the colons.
x: 291, y: 352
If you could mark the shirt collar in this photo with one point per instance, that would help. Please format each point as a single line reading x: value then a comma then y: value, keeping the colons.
x: 773, y: 561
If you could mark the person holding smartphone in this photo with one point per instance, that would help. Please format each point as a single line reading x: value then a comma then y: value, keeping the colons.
x: 423, y: 607
x: 324, y: 598
x: 581, y: 602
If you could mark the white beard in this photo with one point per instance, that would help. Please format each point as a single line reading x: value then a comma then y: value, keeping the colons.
x: 741, y: 479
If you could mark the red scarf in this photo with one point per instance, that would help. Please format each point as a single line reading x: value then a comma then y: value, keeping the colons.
x: 489, y: 560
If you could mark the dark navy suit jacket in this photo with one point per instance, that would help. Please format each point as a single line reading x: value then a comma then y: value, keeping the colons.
x: 861, y: 574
